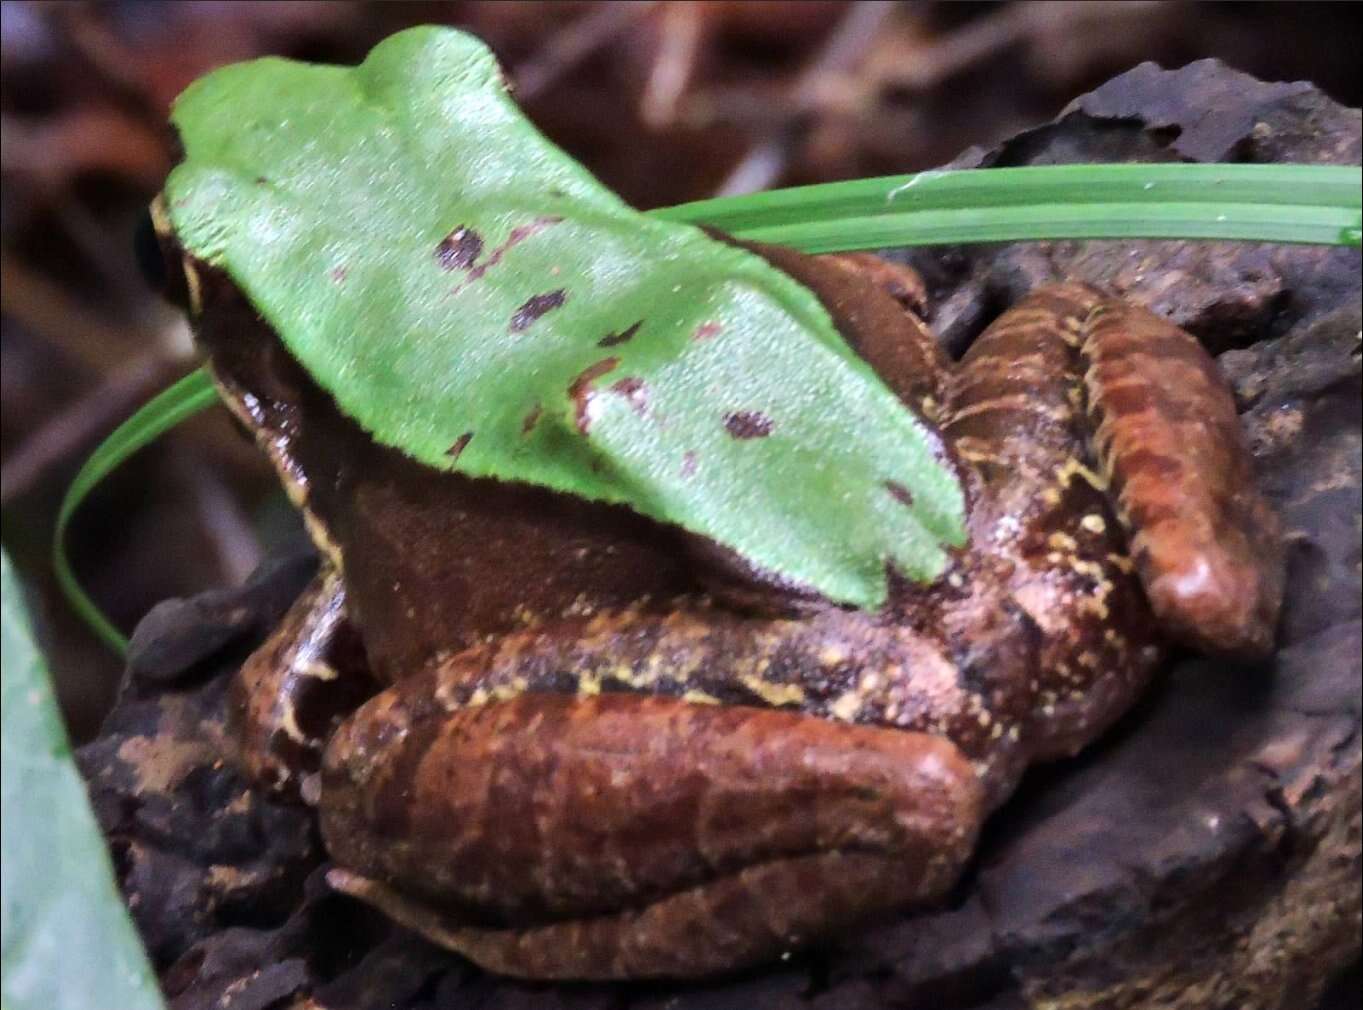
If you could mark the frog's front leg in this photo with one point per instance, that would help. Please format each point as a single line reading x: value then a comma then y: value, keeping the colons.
x: 292, y: 692
x: 558, y: 834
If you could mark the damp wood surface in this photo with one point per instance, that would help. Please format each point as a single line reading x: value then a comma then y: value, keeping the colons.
x: 1205, y: 854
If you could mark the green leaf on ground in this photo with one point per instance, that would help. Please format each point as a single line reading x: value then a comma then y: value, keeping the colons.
x: 473, y: 297
x: 67, y: 941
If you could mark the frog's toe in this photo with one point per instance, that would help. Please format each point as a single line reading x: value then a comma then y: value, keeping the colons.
x: 1206, y: 542
x: 754, y: 914
x: 626, y: 835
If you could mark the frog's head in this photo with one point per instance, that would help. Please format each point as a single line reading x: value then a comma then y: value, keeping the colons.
x: 256, y: 375
x: 262, y: 385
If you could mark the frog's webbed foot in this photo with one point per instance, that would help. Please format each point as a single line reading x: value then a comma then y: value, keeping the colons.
x: 747, y: 916
x: 626, y: 835
x: 294, y: 690
x: 1207, y: 545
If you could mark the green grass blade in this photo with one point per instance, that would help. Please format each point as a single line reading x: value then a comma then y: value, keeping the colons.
x: 1227, y: 222
x: 182, y: 400
x: 1273, y: 203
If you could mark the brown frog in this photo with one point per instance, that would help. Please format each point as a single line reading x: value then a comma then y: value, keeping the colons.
x: 601, y: 747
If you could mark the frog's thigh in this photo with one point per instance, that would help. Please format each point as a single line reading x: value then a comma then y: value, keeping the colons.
x: 727, y: 833
x: 293, y: 690
x: 1206, y: 544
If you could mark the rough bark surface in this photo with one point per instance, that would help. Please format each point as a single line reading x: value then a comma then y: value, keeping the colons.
x: 1205, y: 855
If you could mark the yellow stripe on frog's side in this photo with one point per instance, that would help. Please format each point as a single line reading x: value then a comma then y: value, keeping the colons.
x: 295, y: 487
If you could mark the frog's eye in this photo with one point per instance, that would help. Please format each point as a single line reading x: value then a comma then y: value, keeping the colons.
x: 159, y: 260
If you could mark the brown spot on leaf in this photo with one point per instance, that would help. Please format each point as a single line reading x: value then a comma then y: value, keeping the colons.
x: 580, y: 390
x: 707, y: 330
x: 747, y: 424
x: 516, y: 236
x: 614, y: 339
x: 534, y: 307
x: 899, y: 493
x: 460, y: 249
x: 633, y: 389
x: 523, y: 231
x: 688, y: 467
x: 459, y: 445
x: 532, y: 419
x: 338, y: 274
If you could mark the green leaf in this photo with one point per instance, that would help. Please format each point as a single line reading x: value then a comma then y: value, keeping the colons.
x: 473, y: 297
x: 182, y: 400
x: 1261, y: 203
x: 67, y: 941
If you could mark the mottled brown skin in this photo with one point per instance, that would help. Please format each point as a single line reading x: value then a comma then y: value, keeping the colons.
x: 609, y: 749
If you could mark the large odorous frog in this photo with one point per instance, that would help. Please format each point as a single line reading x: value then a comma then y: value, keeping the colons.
x: 600, y: 744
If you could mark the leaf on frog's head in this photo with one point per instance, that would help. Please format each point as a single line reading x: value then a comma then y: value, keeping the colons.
x: 473, y: 297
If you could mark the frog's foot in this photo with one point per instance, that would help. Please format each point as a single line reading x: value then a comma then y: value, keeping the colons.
x: 1069, y: 378
x: 627, y: 835
x: 751, y: 915
x: 1206, y: 543
x: 294, y: 690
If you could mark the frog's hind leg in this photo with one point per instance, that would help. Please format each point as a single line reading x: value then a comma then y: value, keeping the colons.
x: 1206, y: 543
x: 1114, y: 471
x: 626, y: 835
x: 1042, y: 515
